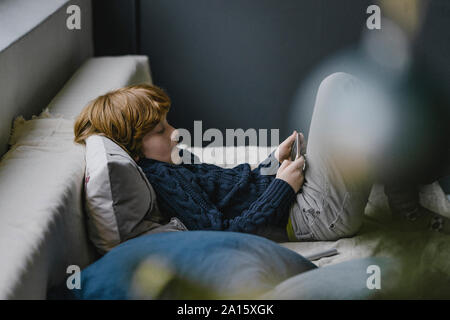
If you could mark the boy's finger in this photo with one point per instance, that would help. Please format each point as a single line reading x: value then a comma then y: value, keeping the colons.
x: 299, y: 162
x: 285, y: 163
x: 292, y: 136
x: 291, y: 139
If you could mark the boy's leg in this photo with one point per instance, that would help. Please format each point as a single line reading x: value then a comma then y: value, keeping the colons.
x: 331, y: 203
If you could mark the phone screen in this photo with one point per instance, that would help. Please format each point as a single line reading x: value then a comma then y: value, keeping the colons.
x: 296, y: 148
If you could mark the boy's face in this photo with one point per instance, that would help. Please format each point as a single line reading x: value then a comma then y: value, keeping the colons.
x: 159, y: 143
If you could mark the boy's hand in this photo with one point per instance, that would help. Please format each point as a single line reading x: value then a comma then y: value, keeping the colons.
x: 283, y: 152
x: 292, y: 173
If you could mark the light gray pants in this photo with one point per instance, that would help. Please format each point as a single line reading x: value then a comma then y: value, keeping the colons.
x: 331, y: 203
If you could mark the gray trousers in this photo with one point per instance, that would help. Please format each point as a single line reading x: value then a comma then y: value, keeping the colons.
x: 331, y: 203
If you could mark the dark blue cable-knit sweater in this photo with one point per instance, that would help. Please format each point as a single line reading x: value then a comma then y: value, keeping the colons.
x: 205, y: 196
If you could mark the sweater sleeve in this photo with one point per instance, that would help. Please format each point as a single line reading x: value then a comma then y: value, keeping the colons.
x: 268, y: 166
x: 275, y: 199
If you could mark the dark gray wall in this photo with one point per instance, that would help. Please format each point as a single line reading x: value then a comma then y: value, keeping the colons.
x: 116, y: 27
x: 237, y: 63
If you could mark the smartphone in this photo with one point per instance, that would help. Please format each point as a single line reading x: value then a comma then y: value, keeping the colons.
x: 296, y: 148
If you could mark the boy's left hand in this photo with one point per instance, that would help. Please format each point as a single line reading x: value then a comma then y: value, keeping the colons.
x: 283, y: 151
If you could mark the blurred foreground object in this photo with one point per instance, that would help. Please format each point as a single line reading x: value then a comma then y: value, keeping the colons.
x: 394, y: 123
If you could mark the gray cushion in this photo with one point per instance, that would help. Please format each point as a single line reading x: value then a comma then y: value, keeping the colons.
x: 120, y: 202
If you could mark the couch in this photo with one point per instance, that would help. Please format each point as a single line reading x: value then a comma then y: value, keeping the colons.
x: 42, y: 219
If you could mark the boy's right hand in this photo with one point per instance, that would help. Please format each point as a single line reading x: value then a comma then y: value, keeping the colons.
x: 292, y: 173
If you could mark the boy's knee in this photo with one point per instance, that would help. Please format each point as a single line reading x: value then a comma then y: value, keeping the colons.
x: 337, y: 76
x: 339, y: 82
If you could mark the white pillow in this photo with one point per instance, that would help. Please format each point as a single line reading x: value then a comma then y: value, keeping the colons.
x: 120, y: 202
x: 45, y: 129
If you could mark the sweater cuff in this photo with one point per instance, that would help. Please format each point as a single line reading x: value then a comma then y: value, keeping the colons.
x: 279, y: 194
